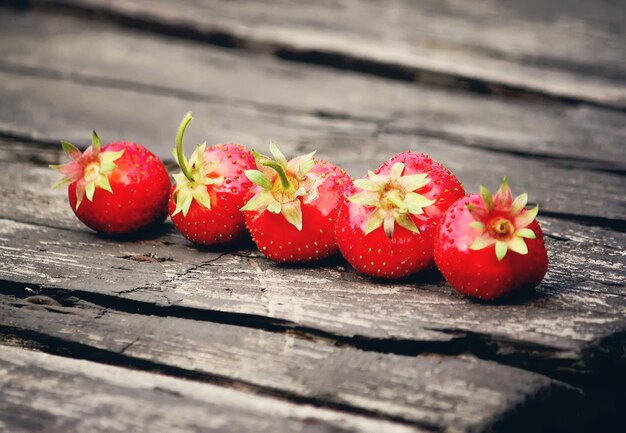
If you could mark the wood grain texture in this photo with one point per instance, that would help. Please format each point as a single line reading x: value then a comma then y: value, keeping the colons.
x: 436, y: 392
x: 45, y: 393
x: 51, y: 109
x: 479, y: 138
x: 271, y: 348
x: 564, y: 49
x: 101, y: 55
x: 558, y: 328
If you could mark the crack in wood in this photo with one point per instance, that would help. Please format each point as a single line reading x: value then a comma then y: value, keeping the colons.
x: 561, y: 365
x: 322, y: 57
x: 128, y: 345
x: 618, y: 225
x: 58, y: 346
x: 174, y: 278
x: 561, y: 161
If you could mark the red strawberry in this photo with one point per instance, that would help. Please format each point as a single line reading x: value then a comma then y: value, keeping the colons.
x: 291, y: 209
x: 490, y: 246
x: 205, y: 200
x: 126, y: 186
x: 386, y: 225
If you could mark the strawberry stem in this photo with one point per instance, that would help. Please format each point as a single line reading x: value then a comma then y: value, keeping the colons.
x: 179, y: 146
x: 281, y: 173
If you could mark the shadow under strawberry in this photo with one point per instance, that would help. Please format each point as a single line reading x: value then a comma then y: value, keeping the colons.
x: 149, y: 233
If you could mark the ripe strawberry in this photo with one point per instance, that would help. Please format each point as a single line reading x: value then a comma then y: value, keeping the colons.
x: 292, y: 206
x: 386, y: 225
x: 126, y: 186
x: 475, y: 236
x: 205, y: 200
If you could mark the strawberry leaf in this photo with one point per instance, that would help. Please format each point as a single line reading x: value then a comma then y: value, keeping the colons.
x: 96, y: 144
x: 201, y: 195
x: 90, y: 188
x: 396, y: 170
x: 482, y: 242
x: 501, y: 249
x: 414, y: 181
x: 407, y: 222
x: 526, y: 233
x: 503, y: 198
x: 389, y: 224
x: 259, y: 202
x: 103, y: 182
x: 292, y: 213
x: 519, y: 203
x: 477, y: 225
x: 487, y: 198
x: 107, y: 160
x: 367, y: 185
x: 525, y: 218
x: 274, y: 207
x: 258, y: 178
x: 375, y: 220
x: 277, y: 154
x: 416, y: 203
x: 517, y: 245
x: 365, y: 198
x: 80, y: 193
x: 70, y: 150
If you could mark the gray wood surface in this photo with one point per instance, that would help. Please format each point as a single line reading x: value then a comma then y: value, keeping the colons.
x: 55, y: 394
x: 467, y: 395
x: 568, y: 50
x: 587, y: 193
x: 557, y: 329
x: 111, y: 58
x: 571, y: 50
x: 533, y: 90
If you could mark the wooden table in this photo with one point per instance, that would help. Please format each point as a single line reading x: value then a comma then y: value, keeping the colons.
x: 99, y: 335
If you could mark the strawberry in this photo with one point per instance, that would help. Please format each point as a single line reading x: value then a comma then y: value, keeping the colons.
x: 209, y: 190
x: 291, y: 208
x: 489, y: 246
x: 386, y: 225
x: 126, y: 186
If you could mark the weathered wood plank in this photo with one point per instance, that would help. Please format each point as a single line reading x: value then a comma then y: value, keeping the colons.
x: 42, y: 392
x: 437, y: 392
x: 555, y: 328
x: 56, y: 47
x: 569, y: 50
x: 571, y: 327
x: 50, y: 109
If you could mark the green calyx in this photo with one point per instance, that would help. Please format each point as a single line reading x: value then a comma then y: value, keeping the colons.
x: 282, y: 184
x: 196, y: 174
x: 89, y: 170
x: 502, y: 221
x: 394, y: 198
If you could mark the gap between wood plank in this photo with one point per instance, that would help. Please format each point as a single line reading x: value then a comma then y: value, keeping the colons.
x: 545, y: 360
x: 561, y: 161
x: 69, y: 349
x: 212, y: 71
x: 34, y: 384
x: 24, y: 337
x: 327, y: 58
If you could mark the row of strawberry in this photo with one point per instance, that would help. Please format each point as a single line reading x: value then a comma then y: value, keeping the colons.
x: 402, y: 218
